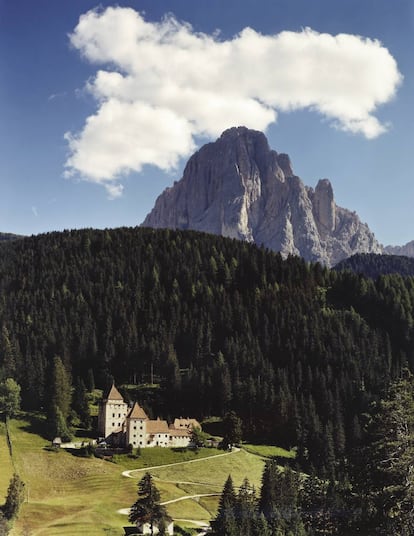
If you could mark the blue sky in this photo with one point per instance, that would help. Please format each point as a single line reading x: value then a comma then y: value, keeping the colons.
x: 81, y: 111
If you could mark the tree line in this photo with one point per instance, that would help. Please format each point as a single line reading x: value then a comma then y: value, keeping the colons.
x: 298, y: 352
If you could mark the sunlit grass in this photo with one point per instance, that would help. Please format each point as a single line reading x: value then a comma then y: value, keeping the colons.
x: 161, y: 456
x: 269, y: 451
x: 68, y: 495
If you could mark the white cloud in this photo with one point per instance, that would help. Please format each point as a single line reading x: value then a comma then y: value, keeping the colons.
x: 164, y: 84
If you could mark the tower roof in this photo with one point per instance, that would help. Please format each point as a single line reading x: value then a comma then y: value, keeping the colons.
x: 137, y: 412
x: 114, y: 394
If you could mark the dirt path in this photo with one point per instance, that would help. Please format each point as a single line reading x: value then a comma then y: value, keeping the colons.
x: 130, y: 472
x: 125, y: 511
x: 201, y: 524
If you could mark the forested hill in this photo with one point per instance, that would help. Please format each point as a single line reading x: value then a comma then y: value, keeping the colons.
x: 373, y: 265
x: 296, y: 350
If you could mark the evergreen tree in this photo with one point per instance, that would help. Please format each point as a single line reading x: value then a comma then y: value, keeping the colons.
x: 15, y: 497
x: 260, y: 526
x: 57, y: 425
x: 232, y: 426
x: 60, y: 393
x: 4, y: 525
x: 225, y: 523
x: 279, y: 500
x: 246, y: 508
x: 80, y: 403
x: 9, y: 398
x: 147, y: 508
x: 385, y: 478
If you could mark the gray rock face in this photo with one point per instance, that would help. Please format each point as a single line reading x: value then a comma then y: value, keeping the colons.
x: 238, y: 187
x: 407, y: 250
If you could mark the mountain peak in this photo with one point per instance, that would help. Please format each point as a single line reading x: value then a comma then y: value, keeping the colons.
x: 238, y: 187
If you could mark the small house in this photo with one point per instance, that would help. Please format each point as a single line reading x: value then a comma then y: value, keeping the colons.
x: 145, y: 528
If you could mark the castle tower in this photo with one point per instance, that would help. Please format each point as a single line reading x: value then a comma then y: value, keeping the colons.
x: 112, y: 414
x: 136, y: 429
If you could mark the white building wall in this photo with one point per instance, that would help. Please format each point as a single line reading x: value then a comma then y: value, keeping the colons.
x: 146, y: 529
x: 137, y: 433
x: 158, y: 440
x: 179, y: 441
x: 113, y: 417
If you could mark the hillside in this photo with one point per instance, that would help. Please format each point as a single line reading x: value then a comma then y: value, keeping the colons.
x: 296, y: 350
x: 372, y: 265
x: 68, y: 495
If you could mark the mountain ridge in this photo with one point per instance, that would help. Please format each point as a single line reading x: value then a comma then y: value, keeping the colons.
x: 238, y: 187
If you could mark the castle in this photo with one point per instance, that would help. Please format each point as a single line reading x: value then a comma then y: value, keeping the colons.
x: 123, y: 426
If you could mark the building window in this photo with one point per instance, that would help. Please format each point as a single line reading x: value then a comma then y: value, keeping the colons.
x: 119, y: 415
x: 113, y: 424
x: 113, y: 414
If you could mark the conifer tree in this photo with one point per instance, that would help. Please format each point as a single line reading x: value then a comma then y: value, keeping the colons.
x: 225, y: 523
x: 385, y: 478
x: 147, y: 508
x: 60, y: 391
x: 246, y: 508
x: 9, y: 398
x: 80, y: 403
x: 15, y: 497
x: 232, y: 425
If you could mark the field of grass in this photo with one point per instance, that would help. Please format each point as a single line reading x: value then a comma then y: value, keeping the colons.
x: 269, y: 451
x: 161, y: 456
x: 68, y: 495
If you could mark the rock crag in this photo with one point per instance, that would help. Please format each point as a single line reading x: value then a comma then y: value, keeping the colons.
x: 240, y: 188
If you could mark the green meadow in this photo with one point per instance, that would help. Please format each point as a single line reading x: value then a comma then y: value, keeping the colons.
x: 68, y: 495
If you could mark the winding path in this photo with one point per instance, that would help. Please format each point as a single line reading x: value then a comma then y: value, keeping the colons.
x: 201, y: 524
x: 129, y: 473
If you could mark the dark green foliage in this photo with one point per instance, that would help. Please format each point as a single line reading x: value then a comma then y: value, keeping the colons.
x: 57, y: 425
x: 9, y: 398
x: 384, y: 475
x: 297, y: 351
x: 59, y: 388
x: 373, y: 265
x: 59, y: 400
x: 279, y: 500
x: 226, y: 523
x: 80, y: 403
x: 4, y: 525
x: 232, y: 427
x: 198, y: 437
x: 147, y: 508
x: 15, y: 497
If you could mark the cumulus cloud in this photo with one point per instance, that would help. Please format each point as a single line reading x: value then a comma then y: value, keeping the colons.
x: 158, y: 85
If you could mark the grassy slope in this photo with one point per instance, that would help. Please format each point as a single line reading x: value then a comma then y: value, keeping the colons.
x: 67, y: 495
x: 269, y: 451
x: 70, y: 496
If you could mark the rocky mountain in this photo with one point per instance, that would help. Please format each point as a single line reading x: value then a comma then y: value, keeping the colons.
x: 406, y: 250
x: 238, y: 187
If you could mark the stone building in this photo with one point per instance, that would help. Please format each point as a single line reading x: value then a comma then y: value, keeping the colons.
x: 123, y: 426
